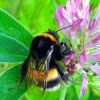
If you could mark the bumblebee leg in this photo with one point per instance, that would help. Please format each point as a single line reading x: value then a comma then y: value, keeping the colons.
x: 63, y: 75
x: 23, y: 71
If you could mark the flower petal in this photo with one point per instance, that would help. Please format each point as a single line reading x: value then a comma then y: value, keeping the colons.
x: 67, y: 61
x: 72, y: 56
x: 95, y: 40
x: 95, y: 57
x: 95, y: 69
x: 76, y: 24
x: 91, y: 26
x: 67, y: 16
x: 69, y: 7
x: 71, y: 69
x: 97, y: 17
x: 76, y: 3
x: 85, y: 3
x: 69, y: 58
x: 62, y: 22
x: 59, y: 15
x: 84, y: 83
x: 82, y: 57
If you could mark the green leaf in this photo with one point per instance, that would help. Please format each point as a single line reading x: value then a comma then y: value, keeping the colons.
x: 94, y: 3
x: 9, y: 80
x: 14, y: 39
x: 71, y: 93
x: 35, y: 93
x: 94, y: 93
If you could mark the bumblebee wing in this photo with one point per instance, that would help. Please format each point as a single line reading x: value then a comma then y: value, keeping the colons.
x: 38, y: 71
x: 32, y: 63
x: 31, y: 70
x: 45, y: 66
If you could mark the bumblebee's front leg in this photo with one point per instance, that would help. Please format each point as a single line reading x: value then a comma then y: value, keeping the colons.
x: 23, y: 71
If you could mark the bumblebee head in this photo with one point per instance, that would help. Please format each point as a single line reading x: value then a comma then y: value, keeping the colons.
x: 54, y: 34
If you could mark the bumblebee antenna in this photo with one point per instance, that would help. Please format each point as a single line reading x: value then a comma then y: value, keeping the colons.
x: 64, y: 28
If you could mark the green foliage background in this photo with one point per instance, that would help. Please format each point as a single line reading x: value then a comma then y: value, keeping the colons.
x: 37, y: 16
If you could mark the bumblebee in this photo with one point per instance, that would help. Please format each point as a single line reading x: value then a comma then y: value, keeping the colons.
x: 41, y: 64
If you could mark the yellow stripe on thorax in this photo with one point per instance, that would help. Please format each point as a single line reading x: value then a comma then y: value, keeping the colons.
x: 42, y: 76
x: 49, y: 36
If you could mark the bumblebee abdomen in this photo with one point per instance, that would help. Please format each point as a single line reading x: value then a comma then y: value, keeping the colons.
x: 52, y: 77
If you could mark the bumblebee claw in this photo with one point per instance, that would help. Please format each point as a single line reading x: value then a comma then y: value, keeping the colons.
x: 65, y: 78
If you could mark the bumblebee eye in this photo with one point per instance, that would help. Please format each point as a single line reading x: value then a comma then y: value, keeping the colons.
x: 63, y: 44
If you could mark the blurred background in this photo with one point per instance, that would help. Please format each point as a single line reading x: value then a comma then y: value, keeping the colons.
x: 38, y: 16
